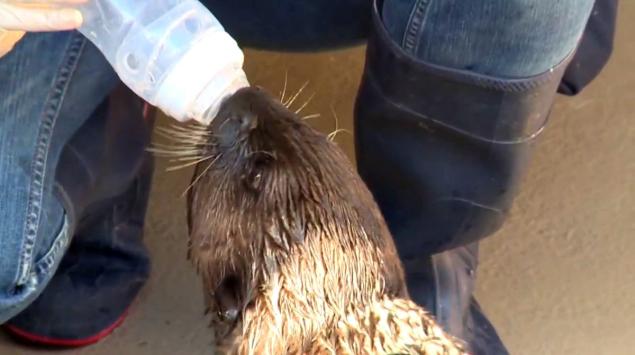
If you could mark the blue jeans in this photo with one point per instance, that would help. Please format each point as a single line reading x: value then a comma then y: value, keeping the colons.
x: 52, y: 82
x: 50, y: 85
x: 510, y: 39
x: 497, y: 37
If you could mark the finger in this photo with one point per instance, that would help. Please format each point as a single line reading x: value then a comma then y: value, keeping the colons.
x: 8, y: 39
x: 28, y: 19
x: 45, y: 2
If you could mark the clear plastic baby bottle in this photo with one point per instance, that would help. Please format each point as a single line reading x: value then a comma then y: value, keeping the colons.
x: 173, y: 53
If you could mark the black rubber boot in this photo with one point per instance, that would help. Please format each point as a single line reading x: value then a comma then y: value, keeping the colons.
x: 595, y: 49
x: 104, y: 179
x: 443, y: 152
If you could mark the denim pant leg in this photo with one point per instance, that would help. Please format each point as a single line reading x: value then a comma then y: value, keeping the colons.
x: 50, y: 84
x: 501, y: 38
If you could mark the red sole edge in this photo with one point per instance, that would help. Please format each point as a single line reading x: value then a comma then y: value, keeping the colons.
x: 73, y: 343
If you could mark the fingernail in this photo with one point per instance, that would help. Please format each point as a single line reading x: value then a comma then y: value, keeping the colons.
x: 69, y: 18
x: 76, y: 17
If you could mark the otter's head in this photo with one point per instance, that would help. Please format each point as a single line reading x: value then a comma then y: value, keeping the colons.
x: 269, y: 185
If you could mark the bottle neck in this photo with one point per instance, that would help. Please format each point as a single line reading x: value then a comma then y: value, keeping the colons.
x: 209, y: 71
x: 209, y: 102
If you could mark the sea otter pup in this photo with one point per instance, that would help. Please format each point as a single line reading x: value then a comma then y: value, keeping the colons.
x: 294, y: 254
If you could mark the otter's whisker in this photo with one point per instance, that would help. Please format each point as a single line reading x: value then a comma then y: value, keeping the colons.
x: 195, y: 157
x: 173, y: 157
x: 173, y: 147
x: 331, y: 136
x: 188, y: 124
x: 201, y: 175
x: 184, y: 129
x: 181, y: 134
x: 190, y: 129
x: 284, y: 88
x: 174, y: 153
x: 187, y: 130
x: 177, y: 167
x: 183, y: 142
x: 305, y: 104
x: 184, y: 145
x: 172, y: 136
x: 181, y: 145
x: 294, y: 97
x: 196, y: 123
x: 180, y: 160
x: 336, y: 118
x: 315, y: 115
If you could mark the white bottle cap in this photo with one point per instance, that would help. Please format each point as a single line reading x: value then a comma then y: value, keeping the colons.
x: 207, y: 73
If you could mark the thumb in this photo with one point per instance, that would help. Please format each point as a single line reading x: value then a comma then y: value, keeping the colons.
x: 8, y: 39
x: 32, y: 19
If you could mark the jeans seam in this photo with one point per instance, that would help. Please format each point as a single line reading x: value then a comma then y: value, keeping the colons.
x: 59, y: 245
x: 415, y: 26
x: 40, y: 157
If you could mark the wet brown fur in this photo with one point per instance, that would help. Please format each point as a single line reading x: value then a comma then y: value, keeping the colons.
x: 284, y: 231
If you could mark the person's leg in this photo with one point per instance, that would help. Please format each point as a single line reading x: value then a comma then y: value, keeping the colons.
x: 453, y: 96
x: 508, y: 39
x: 36, y: 78
x: 293, y: 25
x: 71, y: 259
x: 324, y: 24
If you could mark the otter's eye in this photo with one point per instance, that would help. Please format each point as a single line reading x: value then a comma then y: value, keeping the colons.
x: 256, y: 179
x: 260, y: 164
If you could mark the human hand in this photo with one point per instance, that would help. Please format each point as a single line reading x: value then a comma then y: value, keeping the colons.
x: 20, y: 16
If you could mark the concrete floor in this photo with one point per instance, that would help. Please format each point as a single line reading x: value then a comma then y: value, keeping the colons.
x: 557, y: 279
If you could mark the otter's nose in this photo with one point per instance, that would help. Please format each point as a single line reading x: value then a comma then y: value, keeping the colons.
x: 235, y: 126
